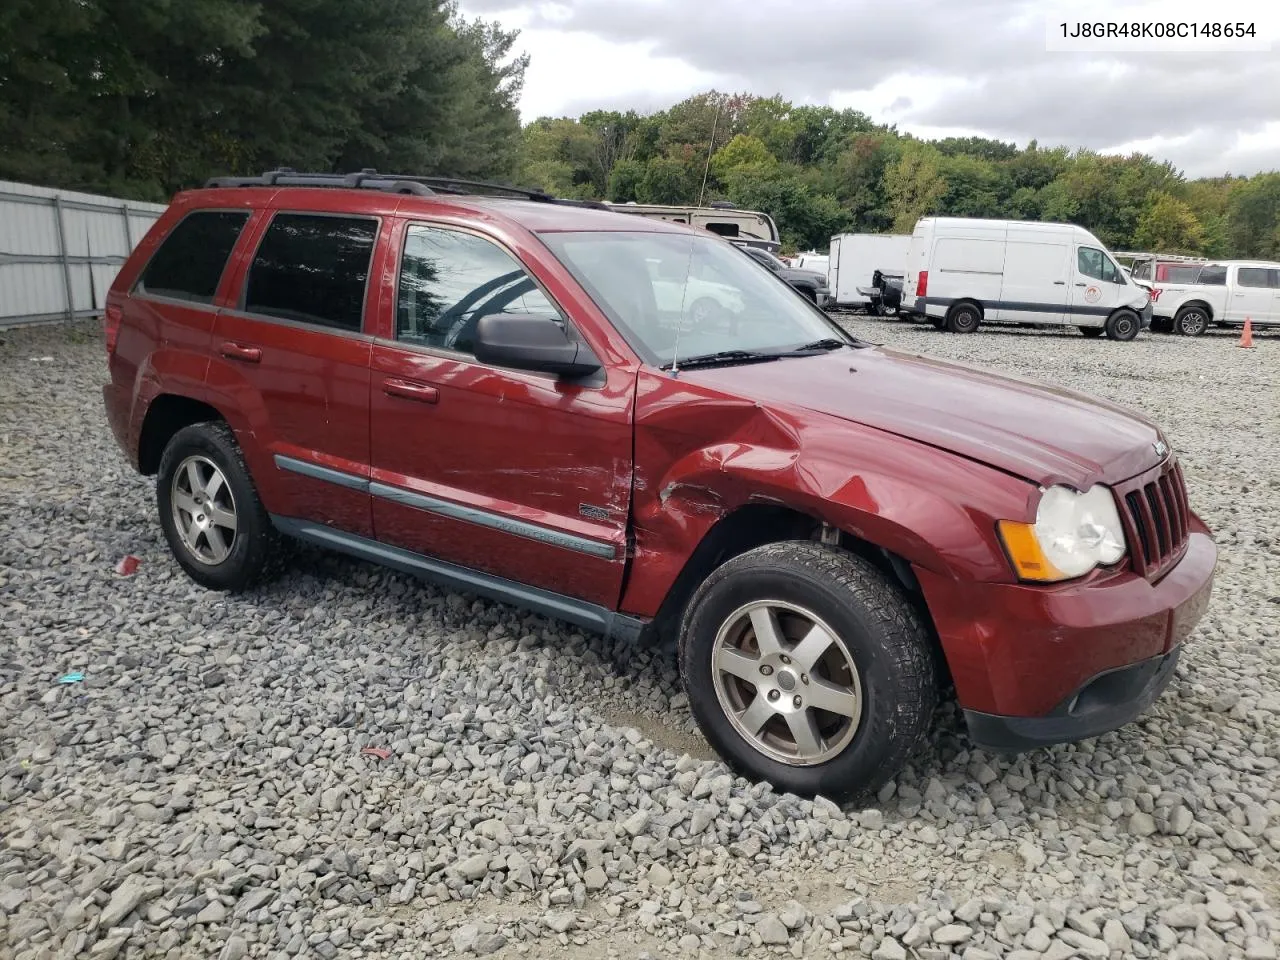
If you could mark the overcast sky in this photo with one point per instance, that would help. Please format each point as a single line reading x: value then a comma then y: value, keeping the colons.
x: 933, y: 67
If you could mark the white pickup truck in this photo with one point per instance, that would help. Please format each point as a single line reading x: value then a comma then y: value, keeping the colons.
x: 1225, y: 293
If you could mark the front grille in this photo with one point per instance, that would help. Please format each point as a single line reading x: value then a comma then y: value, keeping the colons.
x: 1155, y: 514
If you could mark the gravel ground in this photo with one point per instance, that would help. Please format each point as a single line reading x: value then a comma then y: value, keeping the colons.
x: 203, y: 790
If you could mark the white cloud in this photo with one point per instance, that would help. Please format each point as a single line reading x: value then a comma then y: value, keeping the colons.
x: 933, y: 67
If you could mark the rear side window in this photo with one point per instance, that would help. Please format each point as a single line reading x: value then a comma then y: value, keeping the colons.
x: 312, y: 269
x: 1213, y: 275
x: 450, y: 279
x: 189, y: 263
x: 1253, y: 277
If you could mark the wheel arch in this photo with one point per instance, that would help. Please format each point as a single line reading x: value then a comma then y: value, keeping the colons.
x: 1199, y: 304
x: 166, y: 415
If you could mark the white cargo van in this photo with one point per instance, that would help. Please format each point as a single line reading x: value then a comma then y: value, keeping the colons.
x: 855, y: 257
x: 961, y: 273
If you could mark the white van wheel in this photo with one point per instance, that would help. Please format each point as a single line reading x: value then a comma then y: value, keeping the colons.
x: 964, y: 318
x: 1123, y: 325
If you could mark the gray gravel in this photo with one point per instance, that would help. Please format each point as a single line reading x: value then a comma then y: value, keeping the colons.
x: 202, y: 790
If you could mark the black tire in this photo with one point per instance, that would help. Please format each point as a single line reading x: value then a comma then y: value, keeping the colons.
x: 964, y: 317
x: 1092, y: 332
x: 872, y: 623
x: 1191, y: 321
x: 255, y: 548
x: 1123, y: 325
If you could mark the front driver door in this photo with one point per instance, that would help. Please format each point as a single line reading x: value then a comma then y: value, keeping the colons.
x: 519, y: 475
x: 1098, y: 286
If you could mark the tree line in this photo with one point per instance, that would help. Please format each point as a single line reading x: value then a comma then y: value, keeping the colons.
x: 140, y: 98
x: 821, y: 171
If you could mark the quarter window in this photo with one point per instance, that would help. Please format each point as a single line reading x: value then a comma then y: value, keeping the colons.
x: 312, y: 269
x: 1094, y: 263
x: 190, y: 261
x: 450, y: 279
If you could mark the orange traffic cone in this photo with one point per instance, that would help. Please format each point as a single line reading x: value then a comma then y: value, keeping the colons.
x: 1246, y: 338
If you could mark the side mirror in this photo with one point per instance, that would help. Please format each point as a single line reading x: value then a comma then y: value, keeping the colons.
x: 532, y: 343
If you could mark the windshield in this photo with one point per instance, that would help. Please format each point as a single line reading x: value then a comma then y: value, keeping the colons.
x: 657, y: 287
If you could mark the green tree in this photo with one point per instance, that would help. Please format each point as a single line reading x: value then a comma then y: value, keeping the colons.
x: 1254, y: 217
x: 1169, y: 226
x: 915, y: 186
x: 625, y: 180
x: 743, y: 151
x: 975, y: 187
x: 806, y: 219
x: 669, y: 179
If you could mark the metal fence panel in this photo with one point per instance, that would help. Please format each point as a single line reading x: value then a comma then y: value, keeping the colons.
x: 60, y: 250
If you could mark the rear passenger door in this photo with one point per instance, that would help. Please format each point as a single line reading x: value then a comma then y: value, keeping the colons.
x: 516, y: 474
x: 292, y: 359
x: 1252, y: 295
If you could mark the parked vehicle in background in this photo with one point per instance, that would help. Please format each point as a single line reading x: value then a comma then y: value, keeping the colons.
x: 749, y: 227
x: 1149, y: 269
x: 963, y: 272
x: 810, y: 283
x: 494, y: 393
x: 884, y: 296
x: 1224, y: 293
x: 817, y: 262
x: 855, y: 257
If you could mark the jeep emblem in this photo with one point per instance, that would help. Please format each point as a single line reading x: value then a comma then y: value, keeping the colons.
x: 1161, y: 448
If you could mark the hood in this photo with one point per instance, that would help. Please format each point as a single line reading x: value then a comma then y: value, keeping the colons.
x: 1040, y: 433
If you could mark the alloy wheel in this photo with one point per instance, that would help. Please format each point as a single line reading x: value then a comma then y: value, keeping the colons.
x: 204, y: 510
x: 786, y: 682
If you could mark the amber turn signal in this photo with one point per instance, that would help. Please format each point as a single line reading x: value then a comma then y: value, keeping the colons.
x: 1023, y: 547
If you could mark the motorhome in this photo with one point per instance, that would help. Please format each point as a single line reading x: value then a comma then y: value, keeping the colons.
x: 963, y: 272
x: 855, y: 258
x: 746, y: 226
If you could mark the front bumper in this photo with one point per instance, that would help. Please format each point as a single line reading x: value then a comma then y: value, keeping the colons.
x: 1106, y: 702
x: 1020, y: 653
x: 822, y: 298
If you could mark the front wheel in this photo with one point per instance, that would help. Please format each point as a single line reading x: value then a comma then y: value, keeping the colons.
x: 1123, y: 325
x: 1191, y: 321
x: 806, y: 667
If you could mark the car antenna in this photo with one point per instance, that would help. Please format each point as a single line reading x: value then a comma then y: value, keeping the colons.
x: 684, y: 295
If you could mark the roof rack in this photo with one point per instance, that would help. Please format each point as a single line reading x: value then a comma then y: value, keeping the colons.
x: 1129, y: 255
x: 370, y: 179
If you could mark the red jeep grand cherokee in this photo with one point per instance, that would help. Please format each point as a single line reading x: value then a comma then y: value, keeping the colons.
x: 632, y: 427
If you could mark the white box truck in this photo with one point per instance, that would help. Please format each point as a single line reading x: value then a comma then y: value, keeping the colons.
x: 855, y: 257
x: 963, y: 272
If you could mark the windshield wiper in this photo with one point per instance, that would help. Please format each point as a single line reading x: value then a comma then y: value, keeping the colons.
x: 724, y: 357
x: 826, y: 343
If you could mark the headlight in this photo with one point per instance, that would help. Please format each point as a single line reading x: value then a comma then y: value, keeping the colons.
x: 1073, y: 533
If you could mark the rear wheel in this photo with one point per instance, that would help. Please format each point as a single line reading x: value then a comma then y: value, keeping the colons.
x: 1092, y: 332
x: 1191, y: 321
x: 216, y: 526
x: 964, y: 318
x: 1123, y: 325
x: 806, y: 667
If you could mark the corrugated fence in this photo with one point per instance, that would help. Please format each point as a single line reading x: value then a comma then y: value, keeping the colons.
x: 59, y: 250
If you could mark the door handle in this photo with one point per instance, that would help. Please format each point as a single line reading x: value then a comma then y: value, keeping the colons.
x: 406, y: 389
x: 236, y: 351
x: 1081, y: 284
x: 1059, y: 283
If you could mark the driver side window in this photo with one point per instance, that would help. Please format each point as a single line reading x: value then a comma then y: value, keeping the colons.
x: 450, y: 279
x: 1094, y: 263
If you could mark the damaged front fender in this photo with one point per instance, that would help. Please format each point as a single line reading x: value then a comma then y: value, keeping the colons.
x: 701, y: 455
